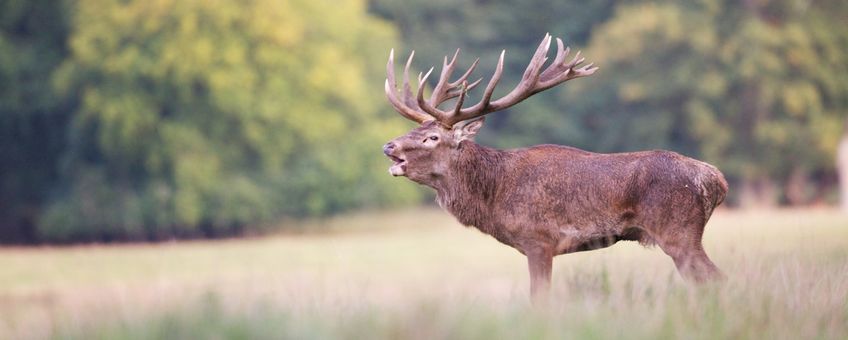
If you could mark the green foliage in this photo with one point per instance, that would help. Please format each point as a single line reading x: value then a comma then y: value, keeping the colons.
x: 206, y: 118
x: 32, y: 119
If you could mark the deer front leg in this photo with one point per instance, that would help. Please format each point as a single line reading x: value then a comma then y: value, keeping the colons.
x: 540, y: 262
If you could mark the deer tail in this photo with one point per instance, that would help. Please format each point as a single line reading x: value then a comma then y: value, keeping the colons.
x: 711, y: 184
x: 715, y: 188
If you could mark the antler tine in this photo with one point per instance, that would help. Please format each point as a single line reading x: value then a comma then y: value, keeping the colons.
x: 422, y: 80
x: 424, y: 104
x: 525, y: 88
x: 558, y: 66
x: 455, y: 93
x: 445, y: 89
x: 561, y: 54
x: 490, y: 88
x: 437, y: 97
x: 408, y: 98
x: 463, y: 91
x: 404, y: 109
x: 565, y: 72
x: 576, y: 60
x: 481, y: 108
x: 587, y: 70
x: 465, y: 75
x: 538, y: 60
x: 452, y: 92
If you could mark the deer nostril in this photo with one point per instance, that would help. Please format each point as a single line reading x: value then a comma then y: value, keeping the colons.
x: 388, y: 147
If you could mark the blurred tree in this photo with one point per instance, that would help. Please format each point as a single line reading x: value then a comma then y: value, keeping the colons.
x: 32, y: 118
x: 755, y: 90
x: 207, y: 118
x: 842, y: 167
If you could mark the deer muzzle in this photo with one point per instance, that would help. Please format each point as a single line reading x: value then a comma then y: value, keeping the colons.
x: 399, y: 166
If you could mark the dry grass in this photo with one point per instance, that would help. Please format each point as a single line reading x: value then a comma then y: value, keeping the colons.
x: 417, y: 274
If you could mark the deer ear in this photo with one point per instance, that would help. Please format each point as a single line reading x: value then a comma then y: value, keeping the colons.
x: 467, y: 130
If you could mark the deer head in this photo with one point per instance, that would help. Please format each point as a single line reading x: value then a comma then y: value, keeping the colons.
x: 424, y: 153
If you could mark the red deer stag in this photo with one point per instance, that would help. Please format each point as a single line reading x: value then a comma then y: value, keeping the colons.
x: 548, y: 200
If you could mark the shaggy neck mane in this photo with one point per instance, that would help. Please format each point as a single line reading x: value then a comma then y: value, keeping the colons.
x: 469, y: 192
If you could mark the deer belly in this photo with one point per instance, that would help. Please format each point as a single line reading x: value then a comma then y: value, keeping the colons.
x: 574, y: 240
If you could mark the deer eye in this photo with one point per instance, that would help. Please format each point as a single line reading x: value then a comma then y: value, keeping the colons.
x: 432, y: 138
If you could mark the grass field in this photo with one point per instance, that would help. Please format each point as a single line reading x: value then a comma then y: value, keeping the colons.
x: 418, y: 275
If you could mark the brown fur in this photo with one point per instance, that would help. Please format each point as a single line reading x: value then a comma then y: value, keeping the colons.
x: 548, y: 200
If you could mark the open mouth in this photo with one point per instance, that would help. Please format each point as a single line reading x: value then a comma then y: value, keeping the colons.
x: 399, y: 166
x: 397, y: 160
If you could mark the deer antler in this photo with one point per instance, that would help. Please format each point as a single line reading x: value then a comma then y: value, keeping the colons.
x: 535, y: 79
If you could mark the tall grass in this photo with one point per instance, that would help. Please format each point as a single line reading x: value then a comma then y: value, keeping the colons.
x: 418, y: 275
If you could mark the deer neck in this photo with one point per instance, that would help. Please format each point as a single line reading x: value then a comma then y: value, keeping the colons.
x: 469, y: 189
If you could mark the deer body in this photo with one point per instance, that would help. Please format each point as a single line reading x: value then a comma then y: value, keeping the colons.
x: 548, y: 200
x: 567, y: 200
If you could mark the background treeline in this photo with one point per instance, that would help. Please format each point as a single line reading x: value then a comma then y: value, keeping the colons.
x: 146, y: 120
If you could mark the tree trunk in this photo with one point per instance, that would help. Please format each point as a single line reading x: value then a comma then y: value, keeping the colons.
x: 758, y: 193
x: 797, y: 187
x: 842, y: 170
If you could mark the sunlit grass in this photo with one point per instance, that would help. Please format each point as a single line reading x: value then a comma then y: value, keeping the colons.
x: 417, y: 274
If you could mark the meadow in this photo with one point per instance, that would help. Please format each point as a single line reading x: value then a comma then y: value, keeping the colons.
x: 417, y: 274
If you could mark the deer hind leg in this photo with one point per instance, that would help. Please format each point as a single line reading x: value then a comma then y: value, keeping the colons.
x: 694, y: 265
x: 685, y: 248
